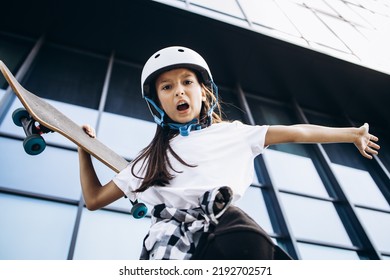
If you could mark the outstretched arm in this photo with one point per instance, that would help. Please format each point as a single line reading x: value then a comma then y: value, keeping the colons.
x: 95, y: 195
x: 307, y: 133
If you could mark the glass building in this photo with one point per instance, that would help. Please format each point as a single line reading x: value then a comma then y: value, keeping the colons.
x: 275, y: 61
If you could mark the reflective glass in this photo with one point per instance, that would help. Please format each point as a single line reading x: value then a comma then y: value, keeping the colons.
x: 267, y: 13
x: 346, y: 13
x: 67, y: 76
x: 311, y: 28
x: 359, y: 183
x: 320, y: 6
x: 355, y: 41
x: 314, y: 219
x: 377, y: 225
x: 289, y: 165
x: 126, y: 136
x: 359, y: 187
x: 12, y: 53
x: 375, y: 20
x: 230, y: 105
x: 107, y: 235
x: 294, y: 173
x: 54, y: 172
x: 377, y: 46
x: 253, y: 204
x: 229, y: 7
x: 33, y: 229
x: 316, y: 252
x: 227, y: 11
x: 124, y: 93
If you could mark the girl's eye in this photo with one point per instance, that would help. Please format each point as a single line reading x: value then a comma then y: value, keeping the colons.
x: 188, y: 82
x: 166, y: 87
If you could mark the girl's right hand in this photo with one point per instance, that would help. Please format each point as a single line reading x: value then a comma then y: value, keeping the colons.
x: 89, y: 130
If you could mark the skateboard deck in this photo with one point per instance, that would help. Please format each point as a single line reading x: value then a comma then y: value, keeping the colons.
x: 53, y: 120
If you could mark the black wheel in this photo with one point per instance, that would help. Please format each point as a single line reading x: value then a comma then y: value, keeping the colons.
x: 18, y: 114
x: 34, y: 144
x: 139, y: 210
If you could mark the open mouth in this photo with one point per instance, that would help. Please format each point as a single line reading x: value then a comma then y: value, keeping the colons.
x: 182, y: 106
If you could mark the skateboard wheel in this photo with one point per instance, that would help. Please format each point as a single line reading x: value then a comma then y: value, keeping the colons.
x: 139, y: 210
x: 18, y: 114
x: 34, y: 144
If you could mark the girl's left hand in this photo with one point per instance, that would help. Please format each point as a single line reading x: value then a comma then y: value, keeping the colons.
x: 366, y: 142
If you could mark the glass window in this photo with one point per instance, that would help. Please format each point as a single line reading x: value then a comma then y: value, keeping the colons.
x: 270, y: 114
x: 124, y: 93
x: 374, y: 20
x: 377, y: 225
x: 359, y: 187
x: 54, y: 172
x: 294, y: 173
x: 316, y: 252
x: 314, y: 219
x: 127, y: 136
x: 229, y: 7
x: 377, y: 46
x: 33, y: 229
x: 355, y: 41
x: 344, y: 10
x: 227, y: 11
x: 360, y: 184
x: 253, y: 204
x: 107, y: 235
x: 229, y: 104
x: 311, y: 28
x: 289, y: 165
x: 12, y: 52
x: 384, y: 154
x: 321, y: 6
x: 67, y: 76
x: 267, y: 13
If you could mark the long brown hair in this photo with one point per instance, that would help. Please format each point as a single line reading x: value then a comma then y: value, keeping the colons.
x: 154, y: 157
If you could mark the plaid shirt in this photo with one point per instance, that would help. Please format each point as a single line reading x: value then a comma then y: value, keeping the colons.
x: 175, y: 233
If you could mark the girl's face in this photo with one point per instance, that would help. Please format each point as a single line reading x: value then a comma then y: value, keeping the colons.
x: 180, y: 94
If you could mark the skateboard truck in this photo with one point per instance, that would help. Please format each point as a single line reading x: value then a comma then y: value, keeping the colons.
x: 34, y: 143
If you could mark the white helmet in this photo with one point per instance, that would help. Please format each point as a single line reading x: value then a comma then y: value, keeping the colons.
x: 168, y: 59
x: 171, y: 58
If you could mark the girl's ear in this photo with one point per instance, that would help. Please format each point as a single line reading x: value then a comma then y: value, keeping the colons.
x: 204, y: 97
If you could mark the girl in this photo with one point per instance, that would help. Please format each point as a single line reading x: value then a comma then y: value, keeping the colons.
x: 197, y: 165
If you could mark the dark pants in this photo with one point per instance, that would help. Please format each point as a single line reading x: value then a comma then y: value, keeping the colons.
x: 237, y: 237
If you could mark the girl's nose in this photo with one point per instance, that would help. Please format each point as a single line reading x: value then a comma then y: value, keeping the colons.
x: 179, y: 91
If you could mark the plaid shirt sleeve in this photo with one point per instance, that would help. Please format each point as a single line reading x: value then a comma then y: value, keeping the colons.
x: 175, y: 233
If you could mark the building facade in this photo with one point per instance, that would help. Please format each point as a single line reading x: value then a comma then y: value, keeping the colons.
x: 275, y: 62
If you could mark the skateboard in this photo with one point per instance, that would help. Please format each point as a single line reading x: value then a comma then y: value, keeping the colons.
x: 39, y: 117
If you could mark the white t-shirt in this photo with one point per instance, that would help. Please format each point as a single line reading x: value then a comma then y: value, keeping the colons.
x: 223, y: 154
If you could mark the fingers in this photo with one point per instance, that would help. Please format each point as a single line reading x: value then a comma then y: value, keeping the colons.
x: 89, y: 130
x: 371, y: 149
x: 373, y: 145
x: 366, y: 155
x: 374, y: 138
